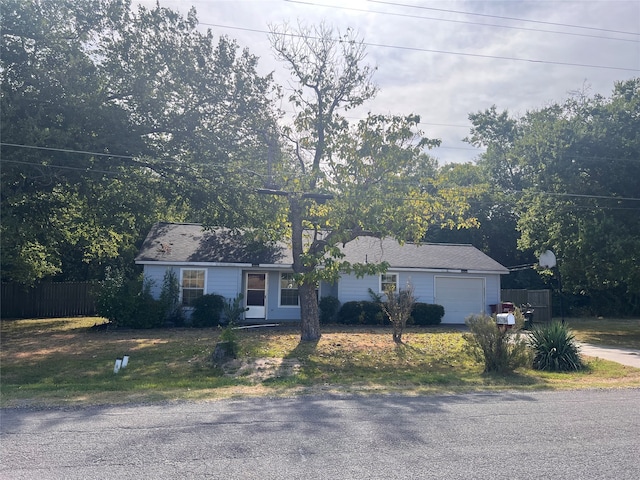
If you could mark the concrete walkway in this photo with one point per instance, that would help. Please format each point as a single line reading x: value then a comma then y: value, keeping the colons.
x: 624, y: 356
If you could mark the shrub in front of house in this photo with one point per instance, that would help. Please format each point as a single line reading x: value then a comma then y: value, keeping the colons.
x: 170, y: 300
x: 427, y: 314
x: 360, y: 312
x: 207, y: 310
x: 128, y: 302
x: 501, y: 351
x: 555, y: 349
x: 329, y: 307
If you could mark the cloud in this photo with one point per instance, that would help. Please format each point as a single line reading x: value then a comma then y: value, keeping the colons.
x: 468, y: 62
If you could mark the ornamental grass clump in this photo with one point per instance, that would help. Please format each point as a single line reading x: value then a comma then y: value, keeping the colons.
x: 555, y: 349
x: 502, y: 351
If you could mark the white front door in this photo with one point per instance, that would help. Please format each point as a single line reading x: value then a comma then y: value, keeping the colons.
x: 255, y: 295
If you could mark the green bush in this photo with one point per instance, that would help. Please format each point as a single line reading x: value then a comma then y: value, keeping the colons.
x: 555, y: 349
x: 170, y: 300
x: 427, y: 314
x: 128, y: 302
x: 229, y: 335
x: 360, y: 312
x: 233, y: 310
x: 329, y: 307
x: 207, y: 310
x: 149, y: 312
x: 500, y: 351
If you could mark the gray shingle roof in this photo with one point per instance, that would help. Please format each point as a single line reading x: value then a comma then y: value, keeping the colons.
x: 188, y: 242
x: 422, y: 256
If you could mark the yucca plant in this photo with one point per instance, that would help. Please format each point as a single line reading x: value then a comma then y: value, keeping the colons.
x: 555, y: 349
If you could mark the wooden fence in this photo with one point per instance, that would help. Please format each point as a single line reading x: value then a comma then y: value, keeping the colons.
x: 540, y: 300
x: 48, y: 300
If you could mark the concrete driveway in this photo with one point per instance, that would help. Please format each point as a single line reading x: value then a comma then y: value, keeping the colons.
x: 624, y: 356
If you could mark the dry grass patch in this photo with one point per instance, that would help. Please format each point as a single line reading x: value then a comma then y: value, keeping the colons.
x: 64, y: 361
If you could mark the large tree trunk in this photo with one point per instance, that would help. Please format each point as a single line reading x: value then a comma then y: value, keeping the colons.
x: 309, y: 315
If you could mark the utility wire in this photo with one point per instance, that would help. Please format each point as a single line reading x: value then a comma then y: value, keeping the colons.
x: 443, y: 52
x: 465, y: 22
x: 67, y: 150
x: 534, y: 192
x: 541, y: 22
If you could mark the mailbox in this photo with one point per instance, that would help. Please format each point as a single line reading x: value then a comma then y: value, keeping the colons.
x: 505, y: 320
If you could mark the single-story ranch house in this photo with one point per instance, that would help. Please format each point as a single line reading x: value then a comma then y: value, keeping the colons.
x: 459, y: 277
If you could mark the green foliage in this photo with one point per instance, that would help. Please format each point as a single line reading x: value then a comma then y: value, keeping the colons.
x: 128, y: 302
x: 233, y: 309
x: 157, y: 103
x: 555, y: 348
x: 229, y: 335
x: 500, y: 351
x: 170, y: 299
x: 427, y: 314
x: 360, y: 312
x: 207, y: 310
x: 375, y: 171
x: 572, y: 168
x: 329, y: 307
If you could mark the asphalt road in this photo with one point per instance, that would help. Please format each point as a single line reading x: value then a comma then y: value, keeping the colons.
x: 560, y: 435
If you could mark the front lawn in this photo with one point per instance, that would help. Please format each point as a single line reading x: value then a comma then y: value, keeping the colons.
x: 614, y: 332
x: 64, y: 361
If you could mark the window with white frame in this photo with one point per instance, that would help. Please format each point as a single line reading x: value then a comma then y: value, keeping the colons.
x: 388, y: 280
x: 192, y: 283
x: 288, y: 290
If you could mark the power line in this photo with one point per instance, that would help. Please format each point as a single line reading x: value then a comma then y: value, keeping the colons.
x: 67, y: 150
x: 541, y: 22
x: 63, y: 167
x: 578, y: 195
x: 100, y: 154
x: 326, y: 196
x: 465, y: 22
x: 442, y: 52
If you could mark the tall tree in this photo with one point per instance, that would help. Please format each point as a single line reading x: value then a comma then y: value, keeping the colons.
x: 340, y: 181
x: 494, y: 208
x: 113, y: 119
x: 573, y: 167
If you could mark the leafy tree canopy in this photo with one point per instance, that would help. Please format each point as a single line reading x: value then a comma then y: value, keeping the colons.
x: 113, y: 119
x: 375, y: 175
x: 573, y: 168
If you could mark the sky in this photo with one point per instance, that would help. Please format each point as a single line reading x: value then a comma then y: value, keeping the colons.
x: 444, y: 60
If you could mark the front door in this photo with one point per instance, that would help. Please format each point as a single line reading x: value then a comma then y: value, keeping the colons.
x: 256, y: 295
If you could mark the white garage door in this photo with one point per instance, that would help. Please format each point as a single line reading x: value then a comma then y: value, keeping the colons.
x: 460, y: 297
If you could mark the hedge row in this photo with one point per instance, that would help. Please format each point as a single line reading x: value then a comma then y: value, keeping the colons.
x: 370, y: 313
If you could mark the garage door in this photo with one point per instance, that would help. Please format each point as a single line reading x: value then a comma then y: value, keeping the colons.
x: 460, y: 297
